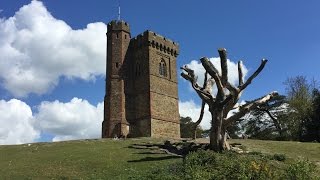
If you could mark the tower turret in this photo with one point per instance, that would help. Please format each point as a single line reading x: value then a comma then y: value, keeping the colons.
x: 118, y: 39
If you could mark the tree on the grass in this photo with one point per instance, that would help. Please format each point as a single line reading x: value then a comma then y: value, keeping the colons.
x: 226, y: 98
x: 313, y: 128
x: 303, y: 98
x: 188, y: 128
x: 268, y: 121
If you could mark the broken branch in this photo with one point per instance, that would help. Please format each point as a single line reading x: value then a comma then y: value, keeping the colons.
x: 224, y: 66
x: 244, y: 109
x: 263, y: 63
x: 240, y: 73
x: 208, y: 66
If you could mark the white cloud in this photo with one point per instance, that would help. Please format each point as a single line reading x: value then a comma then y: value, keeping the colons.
x: 17, y: 123
x: 36, y: 49
x: 192, y: 110
x: 77, y: 119
x: 232, y: 70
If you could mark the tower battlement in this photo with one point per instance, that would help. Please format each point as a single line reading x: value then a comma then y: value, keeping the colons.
x: 118, y: 26
x: 149, y: 38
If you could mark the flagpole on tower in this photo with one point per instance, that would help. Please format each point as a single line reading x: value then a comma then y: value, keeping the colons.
x: 119, y: 17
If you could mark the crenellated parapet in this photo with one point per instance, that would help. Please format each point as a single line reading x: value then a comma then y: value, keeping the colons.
x: 151, y: 39
x: 118, y: 26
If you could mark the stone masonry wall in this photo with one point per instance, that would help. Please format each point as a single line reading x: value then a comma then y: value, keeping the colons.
x: 161, y: 128
x: 165, y: 121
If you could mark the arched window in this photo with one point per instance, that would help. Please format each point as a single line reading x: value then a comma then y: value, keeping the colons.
x: 163, y: 68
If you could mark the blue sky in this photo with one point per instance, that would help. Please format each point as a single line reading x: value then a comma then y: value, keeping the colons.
x: 52, y: 62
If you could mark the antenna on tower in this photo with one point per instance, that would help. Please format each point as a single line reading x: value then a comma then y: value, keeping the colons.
x: 119, y: 17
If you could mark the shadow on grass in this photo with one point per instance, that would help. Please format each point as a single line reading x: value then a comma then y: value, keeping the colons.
x: 155, y: 149
x: 150, y: 153
x: 145, y: 146
x: 154, y: 159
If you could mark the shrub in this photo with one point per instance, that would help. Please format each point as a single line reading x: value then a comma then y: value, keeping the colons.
x: 229, y: 165
x: 301, y: 170
x: 279, y: 157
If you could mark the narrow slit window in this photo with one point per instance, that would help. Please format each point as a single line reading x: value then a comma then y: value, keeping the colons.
x: 138, y: 69
x: 160, y: 68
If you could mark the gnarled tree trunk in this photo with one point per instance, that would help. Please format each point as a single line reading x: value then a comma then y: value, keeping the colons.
x: 225, y: 99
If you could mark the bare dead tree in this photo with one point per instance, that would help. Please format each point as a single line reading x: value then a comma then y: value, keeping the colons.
x: 225, y: 99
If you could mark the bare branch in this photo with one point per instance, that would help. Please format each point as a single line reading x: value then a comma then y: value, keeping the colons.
x: 209, y: 85
x: 240, y: 73
x: 244, y: 109
x: 190, y: 72
x: 208, y: 66
x: 224, y: 66
x: 205, y: 96
x: 263, y: 63
x: 196, y: 124
x: 233, y: 90
x: 205, y: 80
x: 201, y: 114
x: 187, y: 77
x: 211, y: 69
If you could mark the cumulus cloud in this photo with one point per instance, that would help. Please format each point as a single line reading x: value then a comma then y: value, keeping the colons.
x: 36, y: 49
x: 17, y: 123
x: 232, y: 69
x: 77, y: 119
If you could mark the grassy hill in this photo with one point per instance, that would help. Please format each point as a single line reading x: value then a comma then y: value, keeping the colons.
x: 292, y: 149
x: 112, y: 159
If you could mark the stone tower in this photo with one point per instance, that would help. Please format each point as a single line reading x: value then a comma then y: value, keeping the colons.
x: 118, y: 39
x: 141, y: 85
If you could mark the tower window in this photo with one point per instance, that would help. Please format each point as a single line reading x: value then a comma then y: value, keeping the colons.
x: 163, y: 68
x: 138, y: 70
x: 117, y: 35
x: 117, y: 65
x: 125, y: 36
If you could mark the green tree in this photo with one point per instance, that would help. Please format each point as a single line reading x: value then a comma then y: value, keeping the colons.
x: 299, y: 120
x: 312, y: 127
x: 299, y: 95
x: 187, y: 128
x: 268, y: 121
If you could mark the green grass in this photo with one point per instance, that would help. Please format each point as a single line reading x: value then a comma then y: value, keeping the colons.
x: 88, y: 159
x: 292, y: 149
x: 110, y: 159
